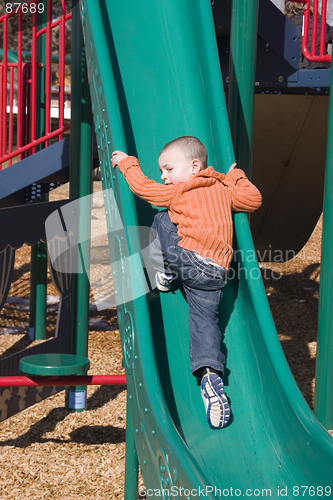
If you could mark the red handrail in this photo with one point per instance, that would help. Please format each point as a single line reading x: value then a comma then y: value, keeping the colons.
x: 21, y: 381
x: 4, y: 89
x: 25, y: 111
x: 23, y: 77
x: 311, y: 54
x: 19, y: 81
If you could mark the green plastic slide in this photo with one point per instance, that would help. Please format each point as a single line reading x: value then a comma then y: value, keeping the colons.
x: 154, y: 75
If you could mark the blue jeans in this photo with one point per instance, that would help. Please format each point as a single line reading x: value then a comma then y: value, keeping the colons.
x: 203, y: 284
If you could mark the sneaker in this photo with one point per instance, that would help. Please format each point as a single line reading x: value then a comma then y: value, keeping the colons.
x: 216, y: 403
x: 163, y: 281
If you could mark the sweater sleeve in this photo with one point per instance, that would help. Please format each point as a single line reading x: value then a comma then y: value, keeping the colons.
x: 147, y: 189
x: 244, y: 195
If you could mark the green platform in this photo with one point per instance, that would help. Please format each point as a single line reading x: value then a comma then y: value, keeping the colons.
x: 54, y: 365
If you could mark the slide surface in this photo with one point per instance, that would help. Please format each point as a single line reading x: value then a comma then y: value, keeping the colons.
x: 154, y: 75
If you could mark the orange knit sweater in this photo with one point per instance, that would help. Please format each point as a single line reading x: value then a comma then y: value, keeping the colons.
x: 200, y: 207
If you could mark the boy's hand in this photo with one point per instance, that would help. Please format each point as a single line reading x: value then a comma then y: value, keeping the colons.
x: 234, y: 165
x: 117, y: 156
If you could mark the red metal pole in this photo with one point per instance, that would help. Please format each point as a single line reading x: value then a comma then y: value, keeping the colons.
x: 48, y: 69
x: 34, y: 79
x: 323, y: 27
x: 314, y: 28
x: 19, y: 83
x: 54, y: 24
x: 1, y: 113
x: 311, y: 56
x: 26, y: 96
x: 24, y: 104
x: 11, y: 103
x: 35, y: 143
x: 4, y: 89
x: 62, y: 381
x: 305, y: 37
x: 28, y: 138
x: 26, y: 100
x: 62, y: 66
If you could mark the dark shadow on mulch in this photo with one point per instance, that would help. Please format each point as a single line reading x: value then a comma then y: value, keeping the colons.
x: 103, y: 395
x: 18, y: 273
x: 47, y: 424
x: 293, y: 300
x: 23, y: 344
x: 98, y: 434
x: 37, y: 430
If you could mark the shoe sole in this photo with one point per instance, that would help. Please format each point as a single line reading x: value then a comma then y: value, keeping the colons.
x: 217, y: 405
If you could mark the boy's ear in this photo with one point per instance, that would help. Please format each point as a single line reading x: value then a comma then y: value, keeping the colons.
x: 196, y: 166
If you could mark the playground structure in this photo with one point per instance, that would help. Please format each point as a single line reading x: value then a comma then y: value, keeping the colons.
x: 27, y: 182
x: 270, y: 445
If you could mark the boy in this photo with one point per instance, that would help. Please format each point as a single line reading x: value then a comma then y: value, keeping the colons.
x: 194, y: 235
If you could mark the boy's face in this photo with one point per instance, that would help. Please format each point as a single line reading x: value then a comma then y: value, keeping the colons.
x: 176, y: 167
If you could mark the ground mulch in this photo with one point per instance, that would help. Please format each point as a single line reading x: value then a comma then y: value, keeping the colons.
x: 49, y: 453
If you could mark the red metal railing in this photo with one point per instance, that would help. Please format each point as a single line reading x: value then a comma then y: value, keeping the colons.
x: 21, y: 381
x: 18, y: 84
x: 312, y: 53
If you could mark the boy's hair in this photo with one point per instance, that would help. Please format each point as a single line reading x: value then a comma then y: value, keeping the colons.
x: 192, y: 147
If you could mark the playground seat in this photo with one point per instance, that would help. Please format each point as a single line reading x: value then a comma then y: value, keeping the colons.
x: 54, y: 364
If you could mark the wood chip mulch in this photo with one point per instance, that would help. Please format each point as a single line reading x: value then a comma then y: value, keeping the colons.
x: 49, y: 453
